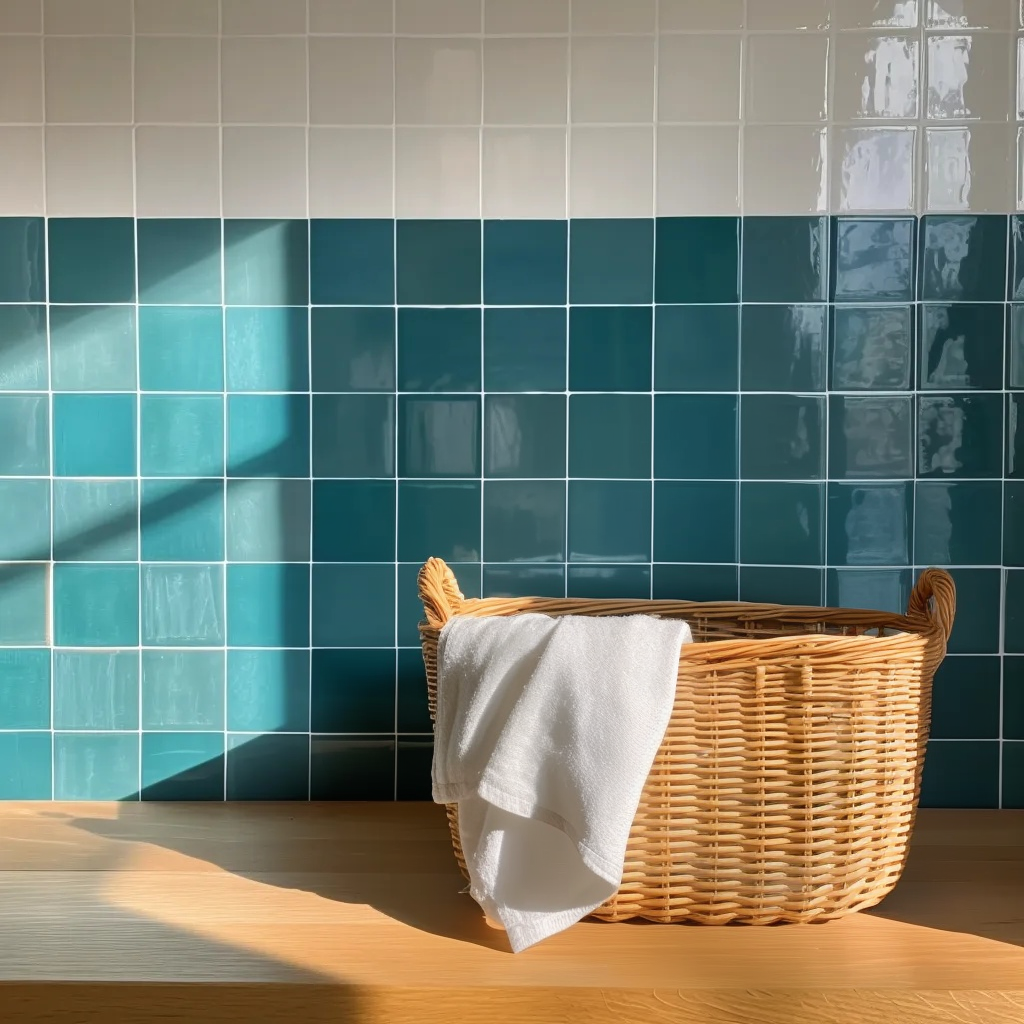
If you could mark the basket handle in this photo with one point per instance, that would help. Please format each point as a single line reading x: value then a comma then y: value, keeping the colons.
x: 439, y: 592
x: 934, y: 584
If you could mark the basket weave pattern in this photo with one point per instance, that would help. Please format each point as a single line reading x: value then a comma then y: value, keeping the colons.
x: 786, y: 785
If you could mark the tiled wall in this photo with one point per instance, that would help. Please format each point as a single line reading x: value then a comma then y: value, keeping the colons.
x: 645, y: 297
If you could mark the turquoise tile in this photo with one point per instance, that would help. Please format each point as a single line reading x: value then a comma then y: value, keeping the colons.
x: 353, y: 605
x: 610, y: 348
x: 183, y: 766
x: 961, y: 775
x: 24, y: 604
x: 525, y: 262
x: 781, y: 524
x: 352, y: 767
x: 1014, y: 436
x: 610, y: 436
x: 268, y: 605
x: 610, y: 261
x: 94, y: 435
x: 92, y: 259
x: 873, y: 259
x: 524, y: 521
x: 694, y: 522
x: 524, y: 349
x: 438, y: 436
x: 412, y: 713
x: 965, y: 699
x: 976, y: 628
x: 958, y: 523
x: 96, y: 766
x: 782, y: 437
x: 695, y: 436
x: 609, y: 521
x: 781, y: 585
x: 435, y: 520
x: 600, y: 582
x: 352, y: 262
x: 95, y: 520
x: 24, y: 520
x: 23, y: 358
x: 696, y: 583
x: 886, y: 590
x: 22, y: 259
x: 353, y: 691
x: 959, y: 435
x: 1013, y: 523
x: 1013, y: 695
x: 697, y: 259
x: 408, y: 606
x: 438, y: 262
x: 93, y: 348
x: 439, y: 349
x: 354, y: 435
x: 267, y: 348
x: 784, y: 348
x: 412, y: 767
x: 785, y: 259
x: 963, y: 259
x: 353, y: 349
x: 1015, y: 346
x: 872, y: 348
x: 961, y: 347
x: 354, y: 520
x: 696, y: 348
x: 24, y: 424
x: 267, y: 767
x: 1013, y: 614
x: 268, y: 520
x: 524, y: 581
x: 179, y: 260
x: 95, y: 605
x: 183, y: 605
x: 1013, y: 776
x: 870, y: 524
x: 524, y: 436
x: 183, y: 691
x: 268, y: 435
x: 182, y: 520
x: 871, y: 437
x: 24, y: 689
x: 181, y: 348
x: 26, y: 766
x: 96, y: 690
x: 1015, y: 291
x: 268, y: 691
x: 266, y: 262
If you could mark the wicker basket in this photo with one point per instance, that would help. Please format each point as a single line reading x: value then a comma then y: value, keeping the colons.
x: 787, y: 782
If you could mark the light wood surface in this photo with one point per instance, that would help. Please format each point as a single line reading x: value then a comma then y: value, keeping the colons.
x: 353, y: 913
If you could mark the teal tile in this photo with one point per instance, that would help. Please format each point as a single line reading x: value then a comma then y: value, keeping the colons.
x: 782, y: 437
x: 1014, y: 436
x: 268, y: 435
x: 408, y: 606
x: 610, y: 348
x: 781, y: 585
x: 95, y: 605
x: 697, y: 259
x: 963, y: 259
x: 524, y: 581
x: 23, y: 358
x: 267, y: 348
x: 525, y: 262
x: 610, y: 261
x: 268, y: 520
x: 610, y: 436
x: 96, y: 766
x: 182, y: 520
x: 600, y: 582
x: 183, y: 691
x: 959, y: 435
x: 961, y: 775
x: 181, y: 348
x: 24, y: 424
x: 92, y: 259
x: 694, y: 522
x: 870, y: 524
x: 354, y: 520
x: 24, y: 604
x: 961, y: 347
x: 268, y: 605
x: 95, y: 520
x: 524, y: 436
x: 182, y: 436
x: 435, y: 520
x: 695, y: 437
x: 524, y: 349
x: 1013, y: 523
x: 1013, y: 695
x: 438, y: 262
x: 93, y: 348
x: 352, y: 262
x: 609, y: 521
x: 184, y: 766
x: 353, y: 349
x: 412, y: 767
x: 439, y: 349
x: 24, y: 520
x: 438, y: 436
x: 873, y: 259
x: 24, y: 689
x: 1015, y: 292
x: 353, y: 691
x: 94, y: 435
x: 352, y: 767
x: 183, y: 605
x: 26, y: 766
x: 976, y: 628
x: 524, y: 521
x: 268, y: 691
x: 872, y: 348
x: 958, y: 523
x: 1013, y: 613
x: 784, y: 348
x: 965, y: 699
x: 179, y: 260
x: 22, y: 259
x: 266, y: 262
x: 96, y: 690
x: 1013, y: 776
x: 273, y: 766
x: 785, y: 259
x: 1015, y: 346
x: 871, y: 437
x: 353, y: 605
x: 695, y: 583
x: 696, y: 348
x: 781, y: 524
x: 354, y: 435
x: 886, y: 590
x: 412, y: 713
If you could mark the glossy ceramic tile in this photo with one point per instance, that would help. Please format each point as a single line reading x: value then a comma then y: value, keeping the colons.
x: 786, y: 78
x: 785, y: 168
x: 699, y: 78
x: 968, y: 76
x: 877, y: 76
x: 872, y: 348
x: 436, y: 517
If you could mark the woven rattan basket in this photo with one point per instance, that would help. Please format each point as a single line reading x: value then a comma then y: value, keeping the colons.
x: 786, y: 785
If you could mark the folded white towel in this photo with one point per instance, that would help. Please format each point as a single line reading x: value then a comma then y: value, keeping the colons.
x: 546, y: 732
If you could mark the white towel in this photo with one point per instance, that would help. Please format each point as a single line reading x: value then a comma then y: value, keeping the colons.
x: 546, y: 732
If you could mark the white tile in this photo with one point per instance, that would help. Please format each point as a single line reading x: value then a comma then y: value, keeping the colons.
x: 873, y: 169
x: 787, y: 78
x: 700, y: 16
x: 525, y: 17
x: 611, y: 172
x: 176, y: 17
x: 698, y: 170
x: 614, y: 16
x: 438, y: 17
x: 21, y: 16
x: 437, y: 81
x: 699, y: 78
x: 875, y: 14
x: 351, y: 172
x: 613, y: 79
x: 969, y: 77
x: 1020, y: 74
x: 350, y: 16
x: 876, y: 76
x: 177, y: 79
x: 958, y: 14
x: 88, y: 80
x: 970, y: 167
x: 21, y: 79
x: 177, y: 172
x: 539, y: 97
x: 784, y: 169
x: 524, y: 173
x: 809, y: 15
x: 88, y: 17
x: 437, y: 172
x: 263, y: 17
x: 1020, y: 168
x: 263, y: 81
x: 21, y: 172
x: 351, y: 80
x: 89, y: 171
x: 264, y: 172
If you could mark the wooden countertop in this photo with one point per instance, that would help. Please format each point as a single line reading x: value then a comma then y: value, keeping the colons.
x: 352, y: 913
